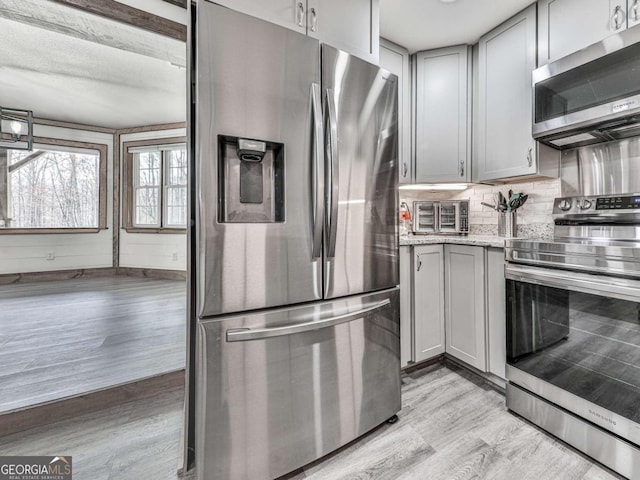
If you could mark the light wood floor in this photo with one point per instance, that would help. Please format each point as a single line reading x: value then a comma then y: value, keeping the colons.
x: 451, y: 427
x: 65, y: 338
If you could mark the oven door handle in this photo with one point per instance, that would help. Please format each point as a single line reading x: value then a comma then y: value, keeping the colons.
x: 604, y: 286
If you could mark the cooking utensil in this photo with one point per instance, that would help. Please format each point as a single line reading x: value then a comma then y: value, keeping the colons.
x: 514, y: 201
x: 489, y: 205
x: 501, y: 199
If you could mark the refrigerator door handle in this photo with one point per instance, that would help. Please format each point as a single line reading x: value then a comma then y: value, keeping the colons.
x: 317, y: 173
x: 332, y: 172
x: 243, y: 335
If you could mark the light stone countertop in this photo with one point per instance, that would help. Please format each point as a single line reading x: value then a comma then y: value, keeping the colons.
x: 476, y: 240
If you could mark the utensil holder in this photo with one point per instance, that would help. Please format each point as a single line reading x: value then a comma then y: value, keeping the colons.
x: 507, y: 224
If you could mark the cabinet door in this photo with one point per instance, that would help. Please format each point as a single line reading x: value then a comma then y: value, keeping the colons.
x: 506, y: 58
x: 442, y: 115
x: 406, y: 290
x: 428, y: 301
x: 633, y: 13
x: 396, y: 59
x: 352, y: 26
x: 465, y: 303
x: 496, y: 315
x: 566, y: 26
x: 287, y: 13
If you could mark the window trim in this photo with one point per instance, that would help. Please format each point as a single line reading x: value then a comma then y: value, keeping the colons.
x: 128, y: 186
x: 101, y: 148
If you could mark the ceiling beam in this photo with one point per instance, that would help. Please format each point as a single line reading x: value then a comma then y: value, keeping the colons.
x: 125, y: 14
x: 177, y: 3
x: 80, y: 24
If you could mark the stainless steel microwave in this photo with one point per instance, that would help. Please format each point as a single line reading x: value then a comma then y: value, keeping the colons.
x: 590, y: 96
x: 451, y: 216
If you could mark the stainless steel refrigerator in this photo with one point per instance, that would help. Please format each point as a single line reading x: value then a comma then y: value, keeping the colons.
x: 295, y: 268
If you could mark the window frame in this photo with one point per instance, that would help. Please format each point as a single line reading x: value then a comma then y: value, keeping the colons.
x: 129, y: 185
x: 101, y: 148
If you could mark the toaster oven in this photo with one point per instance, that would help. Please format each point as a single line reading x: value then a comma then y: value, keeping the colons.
x: 451, y: 216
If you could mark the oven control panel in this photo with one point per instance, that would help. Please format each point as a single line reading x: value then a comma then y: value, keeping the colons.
x: 618, y: 203
x: 592, y: 205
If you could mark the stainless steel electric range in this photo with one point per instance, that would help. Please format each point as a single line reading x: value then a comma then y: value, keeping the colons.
x: 573, y: 328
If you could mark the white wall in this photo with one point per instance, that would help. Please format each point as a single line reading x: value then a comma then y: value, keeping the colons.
x: 28, y: 252
x: 152, y: 250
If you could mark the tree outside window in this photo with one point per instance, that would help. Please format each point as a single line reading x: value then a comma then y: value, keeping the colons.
x: 159, y: 187
x: 50, y: 188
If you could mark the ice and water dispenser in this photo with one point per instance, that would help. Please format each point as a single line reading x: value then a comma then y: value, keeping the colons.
x: 251, y: 176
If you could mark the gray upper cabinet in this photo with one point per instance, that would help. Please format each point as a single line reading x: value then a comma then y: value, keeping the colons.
x: 442, y: 115
x: 287, y: 13
x: 465, y: 304
x: 396, y: 59
x: 566, y: 26
x: 503, y: 121
x: 352, y: 26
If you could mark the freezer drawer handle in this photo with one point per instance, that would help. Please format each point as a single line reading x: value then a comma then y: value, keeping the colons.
x: 245, y: 334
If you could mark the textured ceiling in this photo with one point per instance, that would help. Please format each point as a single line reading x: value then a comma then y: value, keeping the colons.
x: 66, y: 78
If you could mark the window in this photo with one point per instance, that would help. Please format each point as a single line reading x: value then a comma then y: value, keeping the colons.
x: 59, y: 186
x: 157, y: 193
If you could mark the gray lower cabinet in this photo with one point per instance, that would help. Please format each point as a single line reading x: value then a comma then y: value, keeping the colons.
x: 464, y: 293
x: 442, y: 115
x: 566, y: 26
x: 452, y: 299
x: 503, y: 121
x: 406, y: 307
x: 496, y: 313
x: 428, y: 301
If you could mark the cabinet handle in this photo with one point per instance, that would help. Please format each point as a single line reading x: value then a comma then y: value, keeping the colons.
x: 419, y: 263
x: 300, y: 14
x: 634, y: 11
x: 404, y: 169
x: 618, y: 17
x: 530, y: 156
x: 462, y: 168
x: 314, y: 20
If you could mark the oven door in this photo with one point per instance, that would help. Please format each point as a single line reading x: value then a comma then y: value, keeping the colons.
x: 574, y: 339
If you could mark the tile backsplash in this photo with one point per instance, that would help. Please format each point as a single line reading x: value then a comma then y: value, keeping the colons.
x: 534, y: 217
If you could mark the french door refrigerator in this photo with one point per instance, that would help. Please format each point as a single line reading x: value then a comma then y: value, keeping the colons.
x: 295, y: 294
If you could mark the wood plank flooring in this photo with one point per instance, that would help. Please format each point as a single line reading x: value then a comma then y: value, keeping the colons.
x: 452, y: 427
x: 65, y: 338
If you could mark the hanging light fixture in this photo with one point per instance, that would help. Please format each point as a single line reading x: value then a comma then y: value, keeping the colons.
x: 16, y: 129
